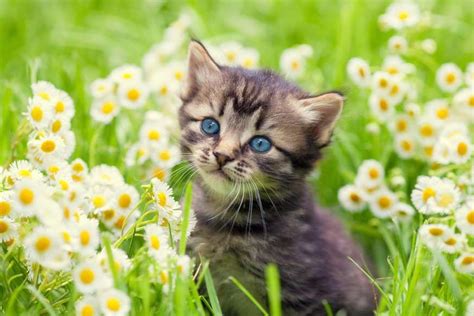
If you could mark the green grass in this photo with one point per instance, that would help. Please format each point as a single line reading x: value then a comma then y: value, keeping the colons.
x: 71, y: 43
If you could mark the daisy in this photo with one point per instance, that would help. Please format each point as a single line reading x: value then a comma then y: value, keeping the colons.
x: 163, y: 195
x: 405, y: 145
x: 412, y: 110
x: 167, y: 157
x: 427, y: 130
x: 126, y: 73
x: 382, y: 107
x: 153, y: 135
x: 101, y: 88
x: 114, y: 302
x: 132, y: 95
x: 449, y: 77
x: 79, y: 170
x: 396, y: 66
x: 43, y: 245
x: 163, y: 87
x: 69, y: 139
x: 382, y: 203
x: 138, y: 153
x: 398, y: 44
x: 156, y: 238
x: 248, y: 58
x: 425, y: 190
x: 63, y: 105
x: 22, y: 169
x: 381, y: 81
x: 452, y: 243
x: 429, y: 46
x: 402, y: 14
x: 121, y: 261
x: 177, y: 69
x: 446, y: 198
x: 230, y: 52
x: 358, y: 71
x: 465, y: 263
x: 58, y: 125
x: 44, y: 90
x: 351, y: 198
x: 50, y: 147
x: 8, y: 229
x: 39, y: 112
x: 160, y: 173
x: 464, y: 103
x: 465, y: 218
x: 401, y: 124
x: 6, y: 203
x: 442, y: 151
x: 126, y: 197
x: 183, y: 265
x: 434, y: 235
x: 106, y: 175
x: 88, y: 236
x: 104, y: 110
x: 403, y: 212
x: 87, y: 306
x: 461, y: 149
x: 27, y: 197
x: 101, y: 198
x: 89, y: 277
x: 438, y: 109
x: 370, y: 174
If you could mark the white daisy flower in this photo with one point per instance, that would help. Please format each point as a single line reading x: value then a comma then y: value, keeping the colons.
x: 6, y: 203
x: 63, y: 105
x: 22, y: 169
x: 79, y: 170
x: 425, y: 190
x: 44, y: 90
x: 8, y: 229
x: 449, y: 77
x: 396, y: 66
x: 104, y: 110
x: 59, y: 125
x: 452, y: 243
x: 163, y: 196
x: 183, y: 265
x: 178, y: 70
x: 461, y: 149
x: 381, y: 81
x: 166, y: 156
x: 382, y: 203
x: 465, y: 218
x: 447, y: 197
x: 351, y: 198
x: 126, y: 73
x: 398, y: 44
x: 402, y: 14
x: 153, y: 134
x: 101, y: 198
x: 89, y: 277
x: 405, y: 145
x: 429, y: 46
x: 106, y: 175
x: 124, y: 221
x: 69, y: 139
x: 28, y: 196
x: 434, y: 235
x: 88, y: 237
x: 39, y: 112
x: 413, y: 110
x: 382, y: 107
x: 132, y: 95
x: 160, y: 173
x: 50, y: 147
x: 401, y: 124
x: 138, y: 153
x: 370, y: 174
x: 87, y: 306
x: 248, y: 58
x: 114, y: 303
x: 43, y: 245
x: 157, y: 240
x: 230, y: 52
x: 465, y: 263
x: 121, y: 261
x: 403, y: 212
x: 438, y: 109
x: 358, y: 71
x: 293, y: 60
x: 126, y: 197
x: 464, y: 103
x: 427, y: 130
x: 442, y: 151
x: 101, y: 88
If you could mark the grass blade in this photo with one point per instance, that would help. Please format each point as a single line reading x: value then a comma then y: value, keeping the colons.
x: 273, y: 289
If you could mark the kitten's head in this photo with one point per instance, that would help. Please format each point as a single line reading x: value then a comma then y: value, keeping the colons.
x: 251, y: 126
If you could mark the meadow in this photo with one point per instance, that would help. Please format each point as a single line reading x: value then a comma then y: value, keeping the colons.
x: 399, y: 171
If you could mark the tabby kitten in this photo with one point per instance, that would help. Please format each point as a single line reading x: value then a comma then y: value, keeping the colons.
x: 253, y: 138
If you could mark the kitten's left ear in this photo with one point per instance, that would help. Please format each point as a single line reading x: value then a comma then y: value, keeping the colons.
x: 322, y: 112
x: 201, y: 67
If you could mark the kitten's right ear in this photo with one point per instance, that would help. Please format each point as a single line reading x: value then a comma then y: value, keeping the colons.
x: 201, y: 67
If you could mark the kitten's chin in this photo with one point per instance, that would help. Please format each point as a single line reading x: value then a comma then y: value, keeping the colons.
x: 217, y: 182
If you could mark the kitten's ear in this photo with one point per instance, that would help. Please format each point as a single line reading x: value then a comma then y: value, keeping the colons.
x: 201, y: 66
x: 322, y: 112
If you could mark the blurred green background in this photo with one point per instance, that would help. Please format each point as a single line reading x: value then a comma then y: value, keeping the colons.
x: 71, y: 43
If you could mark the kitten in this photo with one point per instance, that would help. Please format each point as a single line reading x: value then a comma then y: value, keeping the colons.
x: 253, y: 138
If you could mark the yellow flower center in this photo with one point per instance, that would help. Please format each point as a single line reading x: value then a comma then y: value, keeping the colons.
x: 37, y: 113
x: 178, y: 75
x: 354, y: 197
x: 120, y: 223
x: 64, y: 185
x: 133, y: 94
x: 163, y: 277
x: 428, y: 193
x: 77, y: 167
x: 127, y: 75
x: 428, y: 151
x: 462, y: 149
x: 393, y: 71
x: 362, y: 72
x: 403, y: 15
x: 383, y: 104
x: 445, y: 200
x: 468, y: 260
x: 450, y: 78
x: 373, y: 173
x: 98, y: 201
x: 67, y: 237
x: 470, y: 217
x: 450, y: 242
x: 5, y: 208
x: 154, y: 135
x: 436, y: 231
x: 26, y: 196
x: 161, y: 198
x: 87, y: 276
x: 406, y: 145
x: 24, y: 173
x: 3, y: 227
x: 471, y: 101
x: 44, y: 95
x: 42, y: 243
x: 56, y: 126
x: 231, y: 56
x: 385, y: 202
x: 155, y: 242
x: 402, y: 125
x: 113, y: 304
x: 87, y: 310
x: 48, y: 146
x: 124, y: 200
x: 295, y: 65
x: 59, y: 108
x: 159, y: 174
x: 108, y: 214
x: 84, y: 237
x: 442, y: 113
x: 108, y: 107
x: 165, y: 155
x: 426, y: 130
x: 383, y: 83
x: 164, y: 90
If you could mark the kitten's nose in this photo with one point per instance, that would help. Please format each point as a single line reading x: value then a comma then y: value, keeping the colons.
x: 222, y: 158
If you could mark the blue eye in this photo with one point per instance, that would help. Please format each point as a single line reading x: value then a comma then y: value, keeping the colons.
x: 260, y: 144
x: 210, y: 126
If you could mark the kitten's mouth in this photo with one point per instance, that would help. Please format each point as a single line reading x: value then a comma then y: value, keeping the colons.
x: 221, y: 173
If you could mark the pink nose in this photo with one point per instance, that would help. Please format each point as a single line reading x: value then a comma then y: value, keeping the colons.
x: 222, y: 158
